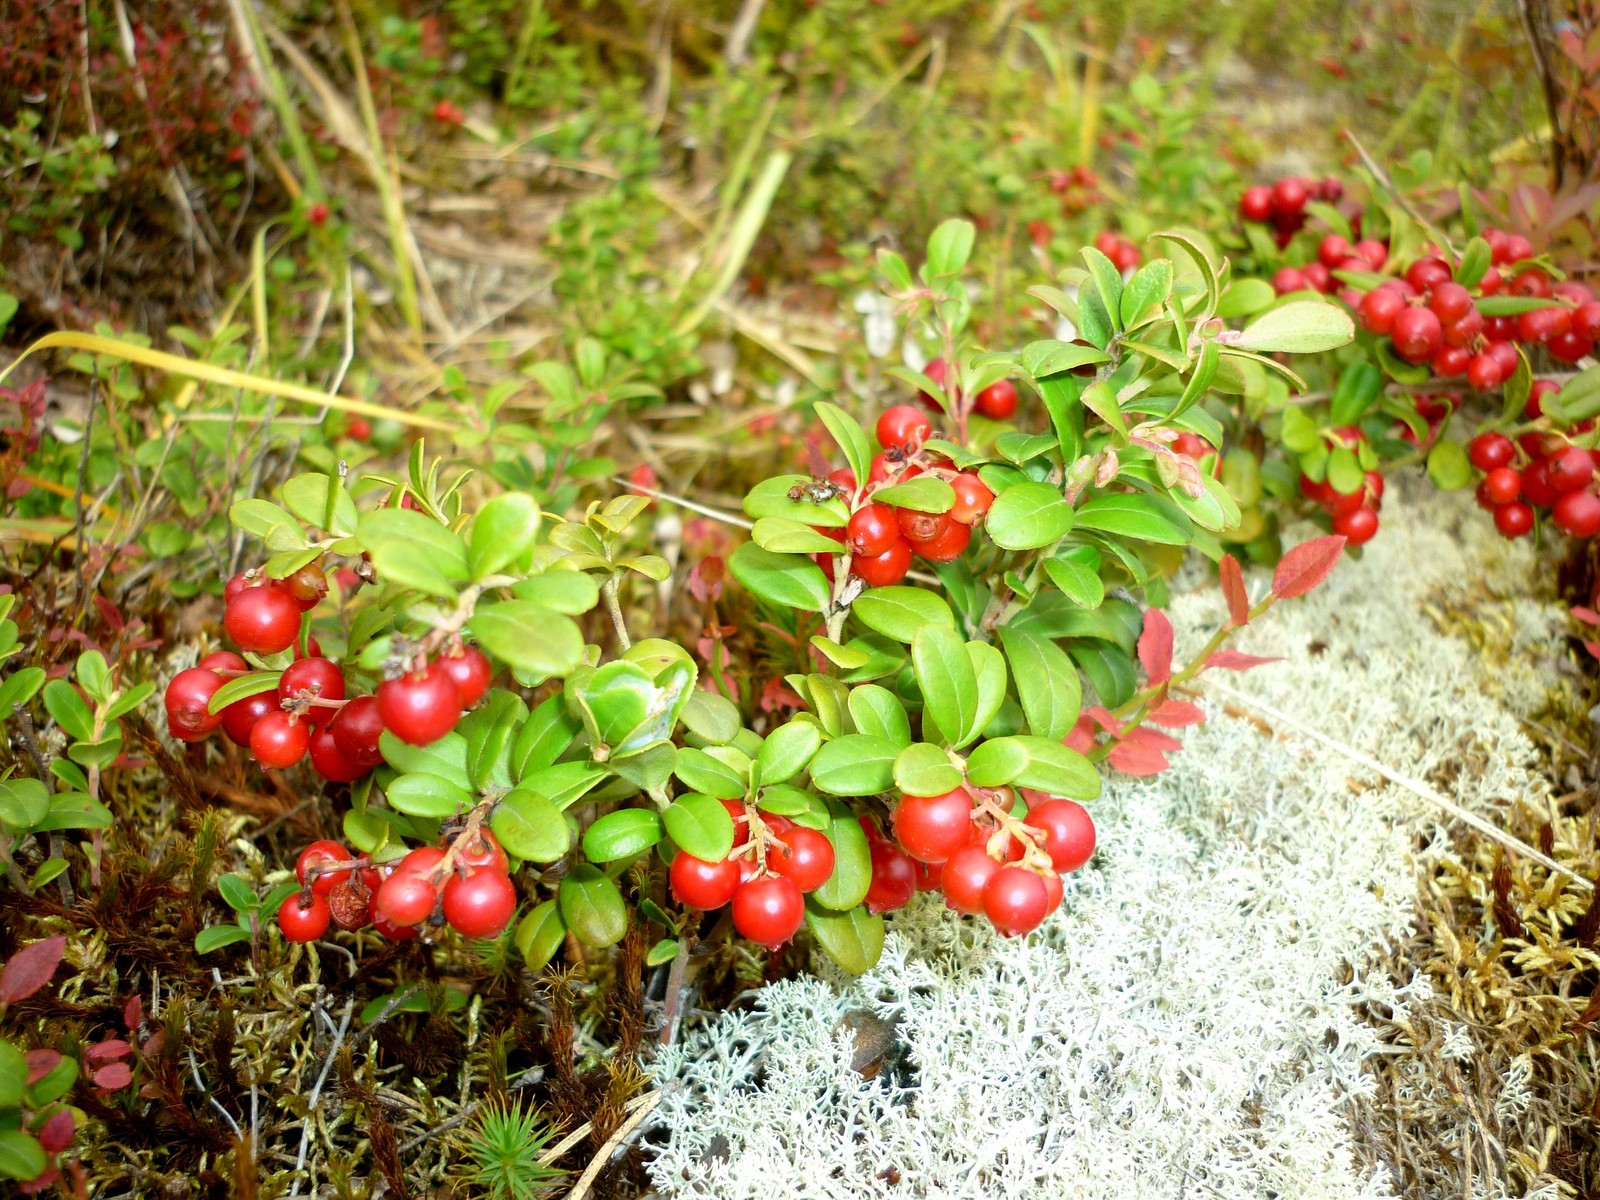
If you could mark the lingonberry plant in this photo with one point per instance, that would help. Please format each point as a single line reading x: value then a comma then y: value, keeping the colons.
x: 942, y: 742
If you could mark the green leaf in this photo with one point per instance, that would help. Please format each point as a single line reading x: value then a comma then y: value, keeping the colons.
x: 856, y: 764
x: 771, y: 498
x: 1245, y: 296
x: 853, y: 939
x: 622, y: 834
x: 1344, y: 470
x: 563, y: 783
x: 215, y: 937
x: 1028, y: 515
x: 699, y: 824
x: 894, y: 269
x: 1512, y: 306
x: 413, y: 550
x: 786, y: 752
x: 47, y: 871
x: 490, y: 731
x: 1034, y: 762
x: 546, y: 734
x: 23, y: 804
x: 949, y: 247
x: 1108, y: 282
x: 1048, y: 357
x: 780, y: 535
x: 850, y: 436
x: 878, y: 713
x: 898, y: 612
x: 264, y: 519
x: 571, y: 593
x: 711, y: 716
x: 69, y: 709
x: 19, y: 688
x: 1448, y: 466
x: 530, y: 826
x: 845, y: 657
x: 1299, y: 327
x: 21, y: 1156
x: 1578, y: 400
x: 242, y: 687
x: 1047, y: 682
x: 989, y: 668
x: 529, y: 636
x: 924, y: 493
x: 55, y: 1083
x: 237, y: 893
x: 703, y: 773
x: 949, y: 686
x: 1149, y: 286
x: 1475, y: 260
x: 592, y: 907
x: 803, y: 807
x: 428, y: 796
x: 503, y: 534
x: 540, y: 935
x: 308, y: 497
x: 923, y: 769
x: 1099, y: 399
x: 1128, y: 515
x: 128, y: 700
x: 1078, y: 582
x: 663, y: 951
x: 787, y: 580
x: 74, y: 810
x: 852, y: 861
x: 1358, y: 389
x: 445, y: 758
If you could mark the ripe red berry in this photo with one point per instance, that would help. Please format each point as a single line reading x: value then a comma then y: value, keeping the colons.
x: 1569, y: 346
x: 1068, y: 832
x: 319, y: 678
x: 1586, y: 320
x: 1333, y: 250
x: 803, y: 854
x: 1490, y: 450
x: 304, y: 922
x: 1450, y: 361
x: 1569, y: 469
x: 470, y: 671
x: 872, y: 530
x: 1532, y: 282
x: 964, y: 876
x: 1318, y: 277
x: 279, y: 740
x: 1465, y: 331
x: 317, y: 854
x: 480, y: 904
x: 1542, y: 324
x: 307, y: 586
x: 998, y: 401
x: 973, y: 498
x: 356, y: 729
x: 697, y: 883
x: 1379, y: 308
x: 332, y: 763
x: 1502, y: 485
x: 1358, y: 527
x: 1483, y: 372
x: 886, y: 569
x: 1513, y: 520
x: 903, y: 426
x: 1578, y: 513
x: 1417, y: 334
x: 1016, y: 901
x: 187, y: 700
x: 1341, y: 504
x: 948, y: 546
x: 484, y: 851
x: 894, y: 877
x: 1534, y: 408
x: 240, y: 717
x: 1375, y: 253
x: 768, y: 910
x: 262, y: 620
x: 1288, y: 279
x: 1256, y: 204
x: 419, y: 708
x: 407, y: 897
x: 1450, y: 301
x: 1289, y: 197
x: 223, y: 660
x: 932, y: 828
x: 1428, y: 273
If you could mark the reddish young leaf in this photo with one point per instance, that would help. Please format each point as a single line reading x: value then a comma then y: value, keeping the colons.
x: 1175, y: 714
x: 1155, y: 646
x: 1232, y: 578
x: 133, y: 1012
x: 107, y: 1050
x: 55, y: 1135
x: 31, y: 968
x: 1153, y: 739
x: 41, y: 1063
x: 1305, y: 566
x: 1081, y: 738
x: 1135, y: 758
x: 1235, y: 660
x: 1587, y: 615
x: 1103, y: 718
x: 1593, y: 648
x: 113, y: 1076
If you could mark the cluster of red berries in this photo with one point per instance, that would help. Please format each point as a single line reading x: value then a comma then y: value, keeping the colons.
x: 1283, y: 204
x: 1124, y: 255
x: 1355, y: 514
x: 1537, y: 471
x: 881, y: 537
x: 1334, y: 253
x: 765, y: 877
x: 944, y: 843
x: 472, y: 891
x: 1432, y: 319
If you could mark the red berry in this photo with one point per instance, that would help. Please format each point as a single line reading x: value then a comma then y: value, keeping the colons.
x: 931, y: 828
x: 973, y: 498
x: 1532, y: 282
x: 1288, y: 279
x: 1490, y: 450
x: 407, y: 897
x: 470, y: 671
x: 188, y: 700
x: 1317, y: 277
x: 319, y: 677
x: 922, y: 526
x: 484, y: 851
x: 223, y: 660
x: 1333, y: 250
x: 948, y: 546
x: 1569, y: 347
x: 1542, y: 324
x: 1569, y: 469
x: 964, y: 876
x: 1289, y: 197
x: 1417, y: 334
x: 1358, y: 527
x: 1534, y: 408
x: 332, y: 763
x: 903, y: 426
x: 356, y: 729
x: 886, y: 569
x: 1340, y: 504
x: 1016, y: 901
x: 316, y: 855
x: 1513, y: 520
x: 1502, y: 485
x: 307, y: 586
x: 304, y: 922
x: 998, y: 401
x: 697, y: 883
x: 1465, y: 331
x: 1256, y: 204
x: 1068, y: 832
x: 804, y: 855
x: 768, y: 910
x: 1375, y: 253
x: 1450, y: 361
x: 1483, y: 372
x: 872, y: 530
x: 1450, y: 301
x: 1428, y: 273
x: 894, y: 877
x: 1586, y: 320
x: 240, y: 717
x: 1578, y: 513
x: 1379, y: 308
x: 262, y: 620
x: 419, y: 708
x: 1536, y: 486
x: 395, y: 933
x: 279, y: 740
x: 480, y: 904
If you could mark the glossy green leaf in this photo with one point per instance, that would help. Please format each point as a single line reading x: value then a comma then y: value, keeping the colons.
x: 853, y: 939
x: 780, y: 535
x: 699, y: 824
x: 413, y: 550
x: 1299, y: 327
x: 490, y: 731
x: 428, y: 796
x: 23, y: 804
x: 878, y: 713
x: 852, y: 861
x: 855, y: 765
x: 711, y: 716
x: 445, y: 758
x: 923, y: 769
x: 215, y: 937
x: 530, y: 827
x: 1130, y: 515
x: 592, y: 907
x: 1028, y: 515
x: 776, y: 497
x: 540, y: 934
x: 622, y: 834
x: 702, y: 772
x: 923, y: 493
x: 787, y: 751
x: 852, y: 439
x: 898, y: 612
x: 528, y: 636
x: 503, y: 534
x: 543, y: 738
x: 945, y: 677
x: 787, y: 580
x: 1047, y: 682
x: 21, y: 1156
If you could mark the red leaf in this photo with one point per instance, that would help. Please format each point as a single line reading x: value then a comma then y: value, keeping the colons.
x: 1232, y: 578
x: 1155, y: 646
x: 1175, y: 714
x: 1081, y: 738
x: 133, y: 1012
x: 40, y: 1064
x: 107, y: 1050
x: 1133, y: 758
x: 55, y: 1135
x: 1103, y: 718
x: 1593, y: 648
x: 1587, y: 615
x: 1305, y: 566
x: 1234, y: 660
x: 113, y: 1076
x: 30, y: 969
x: 1153, y: 739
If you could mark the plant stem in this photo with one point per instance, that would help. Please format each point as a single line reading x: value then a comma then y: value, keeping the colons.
x: 614, y: 607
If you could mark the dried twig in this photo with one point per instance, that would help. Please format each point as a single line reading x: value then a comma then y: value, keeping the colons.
x: 316, y: 1094
x: 646, y: 1103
